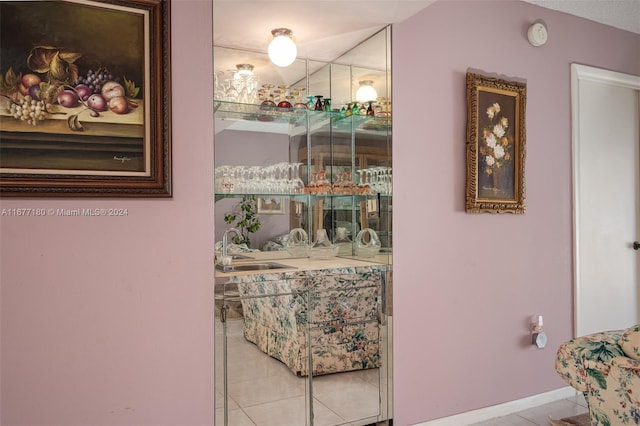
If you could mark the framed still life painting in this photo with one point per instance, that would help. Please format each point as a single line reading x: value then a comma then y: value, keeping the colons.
x: 495, y: 145
x: 85, y: 99
x: 270, y: 205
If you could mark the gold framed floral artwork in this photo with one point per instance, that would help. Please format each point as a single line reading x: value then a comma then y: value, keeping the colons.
x: 495, y: 145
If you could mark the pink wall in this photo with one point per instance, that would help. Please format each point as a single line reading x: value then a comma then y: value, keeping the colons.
x: 466, y: 285
x: 109, y: 321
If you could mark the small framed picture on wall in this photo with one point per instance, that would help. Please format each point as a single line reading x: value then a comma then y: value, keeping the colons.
x: 495, y: 145
x: 270, y: 205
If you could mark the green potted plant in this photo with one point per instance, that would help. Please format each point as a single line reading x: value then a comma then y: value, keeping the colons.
x: 245, y: 219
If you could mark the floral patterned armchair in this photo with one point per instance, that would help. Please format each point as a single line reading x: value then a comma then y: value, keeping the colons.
x: 606, y: 368
x: 331, y: 315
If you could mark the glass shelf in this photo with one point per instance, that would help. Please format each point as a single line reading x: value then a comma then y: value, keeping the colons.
x: 252, y: 112
x: 289, y: 120
x: 304, y: 197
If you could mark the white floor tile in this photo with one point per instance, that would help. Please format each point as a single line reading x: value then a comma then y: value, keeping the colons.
x: 352, y: 399
x: 291, y: 412
x: 554, y: 410
x: 268, y: 389
x: 579, y: 399
x: 237, y: 417
x: 512, y: 420
x: 540, y: 416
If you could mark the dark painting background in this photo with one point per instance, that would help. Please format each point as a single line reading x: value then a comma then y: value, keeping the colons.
x: 507, y: 109
x: 105, y: 38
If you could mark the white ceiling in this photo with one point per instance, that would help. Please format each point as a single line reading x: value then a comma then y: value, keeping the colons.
x: 324, y: 29
x: 623, y: 14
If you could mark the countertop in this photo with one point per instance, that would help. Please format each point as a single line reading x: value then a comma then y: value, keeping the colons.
x: 303, y: 263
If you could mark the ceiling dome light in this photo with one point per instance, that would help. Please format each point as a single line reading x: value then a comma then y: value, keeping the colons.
x: 282, y: 50
x: 366, y: 92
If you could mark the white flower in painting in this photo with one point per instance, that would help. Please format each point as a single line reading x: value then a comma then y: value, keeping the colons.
x: 496, y: 142
x: 498, y: 152
x: 491, y: 140
x: 491, y: 112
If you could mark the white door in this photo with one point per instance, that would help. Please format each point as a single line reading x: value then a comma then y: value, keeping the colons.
x: 606, y: 158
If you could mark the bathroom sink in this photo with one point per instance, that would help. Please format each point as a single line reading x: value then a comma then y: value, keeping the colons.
x: 243, y: 267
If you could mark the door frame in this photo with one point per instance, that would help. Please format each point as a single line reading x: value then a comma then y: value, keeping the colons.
x: 586, y: 73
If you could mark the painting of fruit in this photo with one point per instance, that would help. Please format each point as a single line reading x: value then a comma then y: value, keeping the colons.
x: 75, y: 84
x: 70, y: 69
x: 85, y: 98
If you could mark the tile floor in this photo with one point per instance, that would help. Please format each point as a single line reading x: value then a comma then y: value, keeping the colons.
x: 263, y: 392
x: 540, y: 415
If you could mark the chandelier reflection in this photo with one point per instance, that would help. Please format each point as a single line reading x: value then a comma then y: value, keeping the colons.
x: 239, y: 85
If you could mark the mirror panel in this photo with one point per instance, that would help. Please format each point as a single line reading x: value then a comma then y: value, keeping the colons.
x: 311, y: 311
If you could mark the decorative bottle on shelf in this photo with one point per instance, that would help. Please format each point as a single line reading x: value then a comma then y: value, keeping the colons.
x: 299, y: 105
x: 266, y: 97
x: 319, y: 104
x: 312, y: 188
x: 299, y: 99
x: 343, y: 242
x: 311, y: 103
x: 370, y: 109
x: 337, y: 185
x: 327, y: 105
x: 324, y: 186
x: 348, y: 111
x: 285, y: 105
x: 283, y: 98
x: 348, y: 185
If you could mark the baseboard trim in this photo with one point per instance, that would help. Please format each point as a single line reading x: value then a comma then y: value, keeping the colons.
x: 504, y: 409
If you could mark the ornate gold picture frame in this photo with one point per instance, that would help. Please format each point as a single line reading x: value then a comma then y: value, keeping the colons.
x: 270, y: 205
x: 495, y: 145
x: 100, y: 97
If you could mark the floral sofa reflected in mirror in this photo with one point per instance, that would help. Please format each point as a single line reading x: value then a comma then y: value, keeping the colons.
x: 606, y: 368
x: 331, y: 315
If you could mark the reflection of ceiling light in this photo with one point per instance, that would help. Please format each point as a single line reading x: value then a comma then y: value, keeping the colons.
x: 366, y: 92
x: 243, y: 71
x: 282, y: 49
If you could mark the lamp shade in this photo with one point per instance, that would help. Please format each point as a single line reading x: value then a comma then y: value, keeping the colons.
x: 366, y: 91
x: 282, y: 50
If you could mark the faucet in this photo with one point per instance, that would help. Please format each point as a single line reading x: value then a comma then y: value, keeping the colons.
x: 225, y: 238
